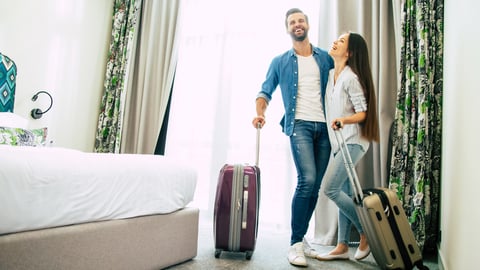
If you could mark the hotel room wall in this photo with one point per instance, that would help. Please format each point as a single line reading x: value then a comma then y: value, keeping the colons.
x: 460, y: 219
x: 61, y: 47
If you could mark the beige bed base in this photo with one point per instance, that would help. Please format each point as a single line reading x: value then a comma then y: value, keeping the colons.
x: 148, y: 242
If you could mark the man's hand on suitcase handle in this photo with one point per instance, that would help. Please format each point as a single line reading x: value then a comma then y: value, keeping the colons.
x: 258, y: 121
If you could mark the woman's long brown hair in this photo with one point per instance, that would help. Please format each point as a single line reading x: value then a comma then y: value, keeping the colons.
x: 359, y: 62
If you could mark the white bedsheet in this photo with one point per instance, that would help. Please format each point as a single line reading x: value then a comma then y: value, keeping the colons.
x: 43, y: 187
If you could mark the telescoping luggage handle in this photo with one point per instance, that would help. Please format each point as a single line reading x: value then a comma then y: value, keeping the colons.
x: 257, y: 147
x: 347, y: 159
x: 245, y: 183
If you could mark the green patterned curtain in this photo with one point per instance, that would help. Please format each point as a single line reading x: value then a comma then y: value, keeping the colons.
x: 417, y: 130
x: 109, y: 130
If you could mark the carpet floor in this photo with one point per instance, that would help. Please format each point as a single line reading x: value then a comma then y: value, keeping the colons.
x: 270, y: 254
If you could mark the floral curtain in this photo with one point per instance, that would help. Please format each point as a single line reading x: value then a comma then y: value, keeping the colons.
x: 108, y: 137
x: 417, y: 129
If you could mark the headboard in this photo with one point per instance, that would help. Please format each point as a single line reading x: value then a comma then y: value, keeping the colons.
x: 8, y: 76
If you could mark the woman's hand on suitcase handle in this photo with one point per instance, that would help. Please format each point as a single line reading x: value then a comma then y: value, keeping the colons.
x: 259, y: 121
x: 337, y: 124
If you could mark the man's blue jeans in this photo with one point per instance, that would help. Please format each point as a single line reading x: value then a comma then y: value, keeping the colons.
x: 311, y: 152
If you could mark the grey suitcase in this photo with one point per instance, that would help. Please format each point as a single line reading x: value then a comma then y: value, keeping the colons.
x: 384, y: 221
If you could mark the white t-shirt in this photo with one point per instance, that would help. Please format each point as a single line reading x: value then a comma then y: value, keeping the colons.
x: 309, y: 100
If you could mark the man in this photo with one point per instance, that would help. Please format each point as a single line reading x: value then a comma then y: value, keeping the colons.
x: 302, y: 74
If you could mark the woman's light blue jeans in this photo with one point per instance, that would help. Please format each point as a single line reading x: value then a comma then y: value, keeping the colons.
x: 337, y: 187
x: 311, y: 152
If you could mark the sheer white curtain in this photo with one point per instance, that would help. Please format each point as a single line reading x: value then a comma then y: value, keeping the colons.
x: 151, y: 75
x: 224, y: 51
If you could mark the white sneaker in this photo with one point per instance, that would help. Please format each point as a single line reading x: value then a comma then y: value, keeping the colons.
x: 308, y: 250
x: 296, y: 256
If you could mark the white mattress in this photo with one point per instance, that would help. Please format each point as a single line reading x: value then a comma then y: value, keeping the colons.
x: 43, y: 187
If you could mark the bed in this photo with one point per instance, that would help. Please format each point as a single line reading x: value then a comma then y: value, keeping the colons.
x: 62, y: 208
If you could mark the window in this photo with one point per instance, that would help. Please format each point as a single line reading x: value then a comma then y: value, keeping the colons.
x: 224, y: 53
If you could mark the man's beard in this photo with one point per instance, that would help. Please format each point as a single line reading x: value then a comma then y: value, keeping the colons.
x: 299, y: 38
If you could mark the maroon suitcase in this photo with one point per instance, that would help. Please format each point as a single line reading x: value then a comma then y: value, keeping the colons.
x: 237, y: 199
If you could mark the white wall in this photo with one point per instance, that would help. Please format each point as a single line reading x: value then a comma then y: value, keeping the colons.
x: 460, y: 211
x: 59, y: 46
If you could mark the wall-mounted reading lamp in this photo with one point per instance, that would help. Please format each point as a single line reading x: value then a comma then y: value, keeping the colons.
x: 37, y: 113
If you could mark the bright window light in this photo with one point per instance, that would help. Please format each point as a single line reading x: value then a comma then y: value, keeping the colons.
x: 224, y: 52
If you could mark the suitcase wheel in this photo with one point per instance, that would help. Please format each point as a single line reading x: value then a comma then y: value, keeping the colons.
x: 217, y: 253
x: 249, y: 255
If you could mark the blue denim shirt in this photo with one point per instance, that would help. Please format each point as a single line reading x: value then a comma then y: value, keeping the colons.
x: 283, y: 72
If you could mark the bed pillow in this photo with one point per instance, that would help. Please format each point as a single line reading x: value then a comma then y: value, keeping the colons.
x: 8, y: 119
x: 23, y: 137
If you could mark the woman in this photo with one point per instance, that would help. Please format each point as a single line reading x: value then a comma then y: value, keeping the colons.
x: 350, y: 100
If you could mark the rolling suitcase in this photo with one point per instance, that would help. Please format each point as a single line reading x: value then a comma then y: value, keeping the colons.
x: 384, y: 221
x: 237, y: 198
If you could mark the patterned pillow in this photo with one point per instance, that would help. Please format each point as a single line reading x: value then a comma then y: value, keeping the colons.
x: 23, y: 137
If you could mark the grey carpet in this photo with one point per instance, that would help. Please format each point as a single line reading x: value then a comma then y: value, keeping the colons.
x: 270, y: 253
